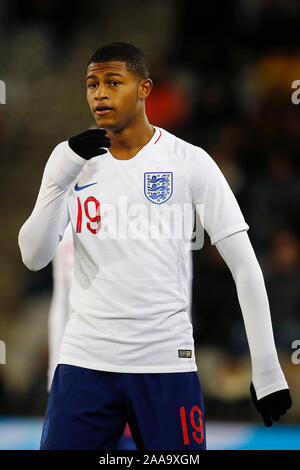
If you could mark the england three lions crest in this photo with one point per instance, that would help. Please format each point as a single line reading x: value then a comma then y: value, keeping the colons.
x: 158, y: 186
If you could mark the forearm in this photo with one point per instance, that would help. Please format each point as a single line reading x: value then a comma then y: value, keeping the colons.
x: 239, y: 255
x: 42, y: 231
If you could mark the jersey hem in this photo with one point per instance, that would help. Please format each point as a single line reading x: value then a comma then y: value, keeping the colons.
x: 143, y: 369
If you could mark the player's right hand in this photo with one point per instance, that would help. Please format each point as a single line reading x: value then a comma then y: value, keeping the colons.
x: 90, y: 143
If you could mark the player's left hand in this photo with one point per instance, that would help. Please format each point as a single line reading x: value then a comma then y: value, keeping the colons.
x: 272, y: 406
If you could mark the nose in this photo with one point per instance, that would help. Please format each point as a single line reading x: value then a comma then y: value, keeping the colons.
x: 101, y: 92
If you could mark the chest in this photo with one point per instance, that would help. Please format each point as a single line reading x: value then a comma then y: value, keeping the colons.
x: 153, y: 183
x: 147, y: 194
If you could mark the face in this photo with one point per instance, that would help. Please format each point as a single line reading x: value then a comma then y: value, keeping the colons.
x: 114, y: 94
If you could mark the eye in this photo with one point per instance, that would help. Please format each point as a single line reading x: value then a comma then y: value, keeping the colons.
x: 114, y: 82
x: 92, y: 85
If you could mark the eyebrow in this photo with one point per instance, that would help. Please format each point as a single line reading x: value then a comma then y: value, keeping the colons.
x: 110, y: 74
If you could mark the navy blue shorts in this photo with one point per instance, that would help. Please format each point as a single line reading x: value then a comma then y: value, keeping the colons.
x: 88, y: 409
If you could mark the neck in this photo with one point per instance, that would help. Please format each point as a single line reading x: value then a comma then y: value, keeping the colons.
x: 127, y: 142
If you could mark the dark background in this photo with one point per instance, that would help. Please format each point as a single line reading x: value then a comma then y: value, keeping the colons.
x: 223, y: 74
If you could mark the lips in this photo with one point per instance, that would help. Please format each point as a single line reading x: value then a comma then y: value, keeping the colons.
x: 102, y: 110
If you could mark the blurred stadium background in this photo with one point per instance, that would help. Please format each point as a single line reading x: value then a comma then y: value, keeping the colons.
x: 222, y: 80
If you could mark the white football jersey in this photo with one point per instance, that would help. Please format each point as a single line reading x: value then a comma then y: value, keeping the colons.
x: 132, y: 221
x: 60, y: 308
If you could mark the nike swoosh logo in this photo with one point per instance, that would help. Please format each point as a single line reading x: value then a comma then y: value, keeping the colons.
x: 79, y: 188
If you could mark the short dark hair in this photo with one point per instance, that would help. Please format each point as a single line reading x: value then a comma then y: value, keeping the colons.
x: 134, y: 58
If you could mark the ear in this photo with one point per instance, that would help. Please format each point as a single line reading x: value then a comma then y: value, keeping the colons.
x: 145, y: 87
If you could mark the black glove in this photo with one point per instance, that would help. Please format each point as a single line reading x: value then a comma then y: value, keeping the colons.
x: 90, y: 143
x: 272, y: 406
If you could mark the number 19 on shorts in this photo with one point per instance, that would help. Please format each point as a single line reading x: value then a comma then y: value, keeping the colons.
x: 194, y: 415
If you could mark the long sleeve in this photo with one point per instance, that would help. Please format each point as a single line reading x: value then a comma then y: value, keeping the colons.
x: 238, y: 253
x: 42, y: 231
